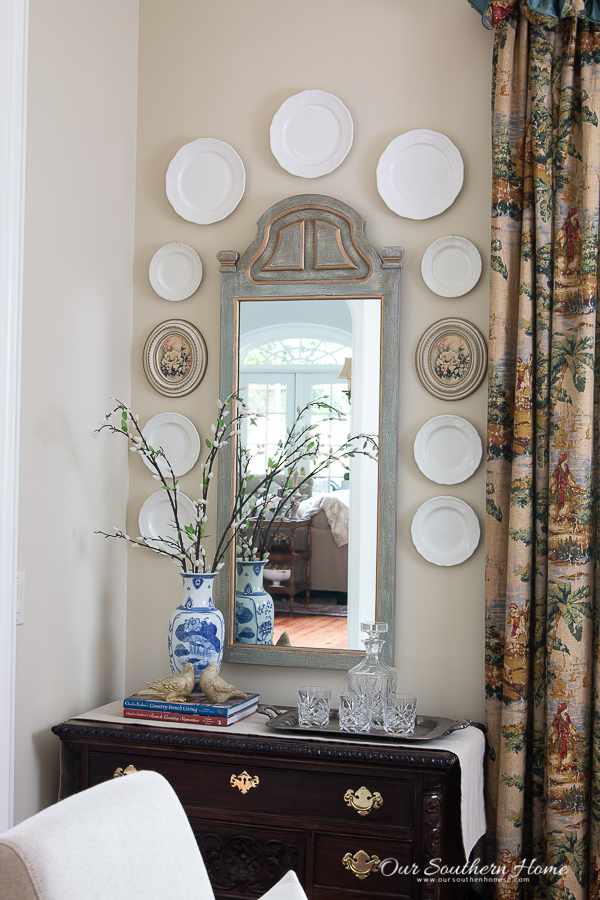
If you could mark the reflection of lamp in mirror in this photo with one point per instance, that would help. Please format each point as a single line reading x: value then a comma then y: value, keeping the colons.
x: 347, y: 373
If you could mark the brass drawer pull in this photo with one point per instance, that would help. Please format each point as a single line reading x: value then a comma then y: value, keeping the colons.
x: 361, y: 863
x: 128, y: 771
x: 244, y: 782
x: 363, y: 801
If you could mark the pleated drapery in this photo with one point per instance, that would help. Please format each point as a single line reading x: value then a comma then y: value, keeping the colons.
x: 494, y: 11
x: 542, y: 596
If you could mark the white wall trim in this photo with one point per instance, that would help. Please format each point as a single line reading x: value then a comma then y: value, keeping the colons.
x: 13, y: 86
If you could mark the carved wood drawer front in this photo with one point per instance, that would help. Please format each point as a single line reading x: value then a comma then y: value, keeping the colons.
x: 245, y: 860
x: 244, y: 787
x: 346, y: 864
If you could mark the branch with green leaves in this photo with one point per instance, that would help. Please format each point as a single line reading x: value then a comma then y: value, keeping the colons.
x: 185, y: 545
x: 260, y: 505
x: 257, y: 505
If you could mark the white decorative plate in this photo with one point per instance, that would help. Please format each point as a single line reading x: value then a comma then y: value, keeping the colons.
x: 178, y: 437
x: 175, y: 358
x: 420, y: 174
x: 156, y: 515
x: 445, y: 531
x: 205, y: 181
x: 175, y: 272
x: 447, y: 449
x: 451, y: 358
x: 451, y: 266
x: 311, y: 133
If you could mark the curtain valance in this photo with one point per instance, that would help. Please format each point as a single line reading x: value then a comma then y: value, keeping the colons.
x: 495, y: 11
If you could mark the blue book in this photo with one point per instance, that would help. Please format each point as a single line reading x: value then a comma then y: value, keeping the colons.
x: 201, y: 707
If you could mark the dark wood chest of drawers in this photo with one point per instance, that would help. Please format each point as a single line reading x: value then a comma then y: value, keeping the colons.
x: 261, y: 805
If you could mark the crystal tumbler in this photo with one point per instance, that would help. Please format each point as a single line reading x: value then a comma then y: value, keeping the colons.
x: 354, y: 711
x: 313, y: 705
x: 399, y: 713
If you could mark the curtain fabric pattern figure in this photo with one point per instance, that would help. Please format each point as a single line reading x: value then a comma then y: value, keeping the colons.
x: 542, y: 616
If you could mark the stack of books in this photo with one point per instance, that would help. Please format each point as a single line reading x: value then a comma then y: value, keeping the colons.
x: 197, y: 712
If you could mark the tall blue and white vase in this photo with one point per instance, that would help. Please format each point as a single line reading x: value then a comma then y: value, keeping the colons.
x: 196, y: 627
x: 254, y: 610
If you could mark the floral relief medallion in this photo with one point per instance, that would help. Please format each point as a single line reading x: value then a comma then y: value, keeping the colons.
x: 451, y: 358
x: 175, y: 358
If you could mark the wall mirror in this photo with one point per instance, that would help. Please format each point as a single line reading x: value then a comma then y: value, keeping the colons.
x: 310, y: 310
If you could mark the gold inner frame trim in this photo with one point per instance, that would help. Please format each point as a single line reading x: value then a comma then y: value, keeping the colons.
x: 236, y: 385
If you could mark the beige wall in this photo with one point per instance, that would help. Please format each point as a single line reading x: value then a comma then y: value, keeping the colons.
x: 76, y: 354
x: 209, y: 69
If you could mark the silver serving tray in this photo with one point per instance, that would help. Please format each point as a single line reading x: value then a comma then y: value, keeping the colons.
x: 427, y: 728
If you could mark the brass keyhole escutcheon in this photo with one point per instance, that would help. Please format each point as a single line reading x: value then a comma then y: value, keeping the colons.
x: 128, y: 771
x: 361, y: 863
x: 244, y: 782
x: 363, y: 801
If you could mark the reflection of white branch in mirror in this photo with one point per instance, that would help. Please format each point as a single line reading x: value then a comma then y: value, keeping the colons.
x: 364, y: 473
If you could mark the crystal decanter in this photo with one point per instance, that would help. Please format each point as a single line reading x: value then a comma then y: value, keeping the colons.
x: 372, y: 675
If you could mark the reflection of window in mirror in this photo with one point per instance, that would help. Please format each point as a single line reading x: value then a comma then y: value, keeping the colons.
x: 285, y: 365
x: 292, y: 352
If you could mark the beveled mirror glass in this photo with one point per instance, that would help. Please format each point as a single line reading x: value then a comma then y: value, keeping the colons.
x: 308, y: 306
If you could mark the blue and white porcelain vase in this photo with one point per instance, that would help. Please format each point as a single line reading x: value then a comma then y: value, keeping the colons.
x: 196, y: 627
x: 254, y: 610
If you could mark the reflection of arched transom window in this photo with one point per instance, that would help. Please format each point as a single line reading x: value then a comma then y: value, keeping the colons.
x: 298, y: 351
x: 284, y: 367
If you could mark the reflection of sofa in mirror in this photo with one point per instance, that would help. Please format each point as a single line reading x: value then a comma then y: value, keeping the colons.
x: 328, y: 562
x: 329, y: 540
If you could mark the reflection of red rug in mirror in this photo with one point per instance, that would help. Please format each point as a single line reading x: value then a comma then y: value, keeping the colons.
x: 319, y: 605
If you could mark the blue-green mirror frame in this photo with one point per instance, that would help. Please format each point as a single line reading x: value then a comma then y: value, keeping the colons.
x: 309, y: 247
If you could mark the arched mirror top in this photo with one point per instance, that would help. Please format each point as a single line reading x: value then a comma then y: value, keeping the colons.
x: 310, y: 266
x: 307, y: 241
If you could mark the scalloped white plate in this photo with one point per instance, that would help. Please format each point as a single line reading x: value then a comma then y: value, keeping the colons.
x: 420, y: 174
x: 175, y: 271
x: 445, y: 531
x: 155, y: 515
x: 178, y: 437
x: 451, y: 266
x: 311, y: 134
x: 448, y: 449
x: 206, y: 180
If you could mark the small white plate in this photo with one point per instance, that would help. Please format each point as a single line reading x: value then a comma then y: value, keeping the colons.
x: 175, y: 272
x: 311, y: 134
x: 451, y: 266
x: 445, y: 531
x: 420, y: 174
x: 156, y: 515
x: 447, y: 449
x: 179, y: 439
x: 206, y: 180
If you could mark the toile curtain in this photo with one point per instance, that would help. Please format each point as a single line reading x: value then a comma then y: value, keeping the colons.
x: 542, y: 597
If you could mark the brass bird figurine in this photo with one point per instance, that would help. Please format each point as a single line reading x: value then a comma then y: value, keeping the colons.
x: 215, y: 688
x: 174, y: 688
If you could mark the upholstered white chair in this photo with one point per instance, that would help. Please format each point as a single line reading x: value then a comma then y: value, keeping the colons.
x: 121, y: 840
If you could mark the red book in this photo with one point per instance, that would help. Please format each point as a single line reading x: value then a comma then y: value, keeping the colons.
x: 188, y: 719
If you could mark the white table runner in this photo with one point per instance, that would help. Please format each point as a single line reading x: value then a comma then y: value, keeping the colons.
x: 468, y: 745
